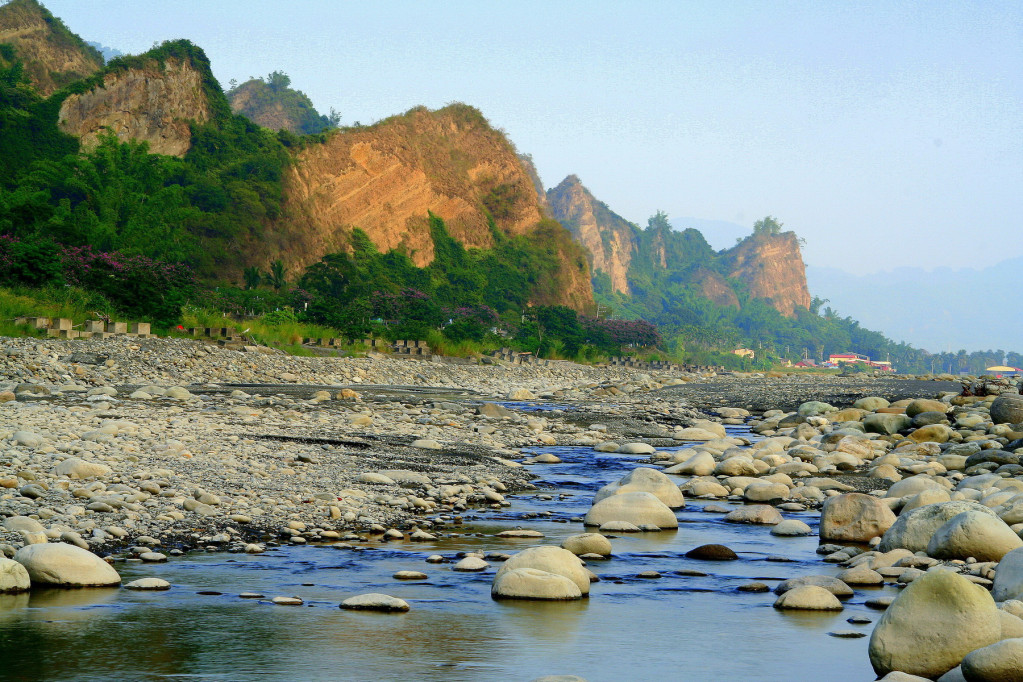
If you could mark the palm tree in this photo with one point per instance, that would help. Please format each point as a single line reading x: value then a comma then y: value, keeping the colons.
x: 276, y: 276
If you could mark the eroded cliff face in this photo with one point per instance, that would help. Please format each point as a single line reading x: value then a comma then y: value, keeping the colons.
x: 771, y: 266
x: 151, y: 104
x: 609, y: 239
x: 52, y: 55
x: 715, y: 287
x: 387, y: 178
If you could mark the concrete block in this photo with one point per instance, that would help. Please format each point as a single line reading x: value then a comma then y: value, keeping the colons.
x: 117, y: 327
x: 95, y: 326
x: 139, y: 327
x: 62, y: 323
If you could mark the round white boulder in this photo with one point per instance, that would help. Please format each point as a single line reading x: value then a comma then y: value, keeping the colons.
x: 549, y: 559
x: 644, y: 479
x: 532, y: 583
x: 13, y: 576
x: 639, y: 509
x: 808, y: 598
x: 64, y: 565
x: 587, y: 543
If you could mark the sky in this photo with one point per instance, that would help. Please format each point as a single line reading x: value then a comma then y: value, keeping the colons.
x: 884, y: 133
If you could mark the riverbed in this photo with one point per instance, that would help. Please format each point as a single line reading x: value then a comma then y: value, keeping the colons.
x: 680, y: 626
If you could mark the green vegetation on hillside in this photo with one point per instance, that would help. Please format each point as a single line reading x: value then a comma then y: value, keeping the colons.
x: 195, y: 210
x: 270, y: 102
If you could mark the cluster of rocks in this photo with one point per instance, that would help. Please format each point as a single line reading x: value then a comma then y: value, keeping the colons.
x: 101, y: 458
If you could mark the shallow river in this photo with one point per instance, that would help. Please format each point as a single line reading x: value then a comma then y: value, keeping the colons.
x: 678, y: 627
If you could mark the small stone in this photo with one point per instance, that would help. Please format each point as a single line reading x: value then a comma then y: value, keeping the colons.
x: 409, y: 575
x: 374, y: 601
x: 154, y: 584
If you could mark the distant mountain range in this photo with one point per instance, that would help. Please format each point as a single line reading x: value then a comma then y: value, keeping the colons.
x: 939, y: 310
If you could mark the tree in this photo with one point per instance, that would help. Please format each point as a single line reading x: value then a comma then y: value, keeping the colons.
x: 278, y: 80
x: 277, y: 273
x: 767, y: 225
x: 252, y: 277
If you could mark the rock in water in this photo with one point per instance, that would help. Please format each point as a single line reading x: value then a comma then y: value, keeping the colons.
x: 532, y: 583
x: 808, y: 598
x: 647, y: 480
x: 374, y: 601
x: 939, y: 618
x: 13, y: 576
x: 712, y: 553
x: 854, y: 517
x: 63, y: 565
x: 639, y: 509
x: 587, y: 543
x: 551, y: 560
x: 153, y: 584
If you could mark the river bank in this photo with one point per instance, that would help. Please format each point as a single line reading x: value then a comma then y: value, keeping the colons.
x: 174, y: 434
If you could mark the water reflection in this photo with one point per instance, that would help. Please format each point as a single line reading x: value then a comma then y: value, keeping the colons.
x: 677, y: 627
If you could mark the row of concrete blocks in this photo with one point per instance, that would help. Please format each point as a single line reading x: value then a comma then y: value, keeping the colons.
x: 412, y: 350
x: 516, y: 358
x: 64, y: 328
x: 229, y: 333
x: 325, y: 342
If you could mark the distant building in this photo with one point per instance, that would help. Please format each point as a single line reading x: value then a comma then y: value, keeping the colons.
x: 836, y: 358
x: 807, y: 362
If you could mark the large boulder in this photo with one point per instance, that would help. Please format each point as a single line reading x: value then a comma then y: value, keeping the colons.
x: 647, y: 480
x: 808, y: 598
x: 549, y: 559
x: 886, y: 423
x: 761, y: 514
x: 639, y: 509
x: 13, y: 576
x: 998, y: 662
x: 827, y: 582
x: 532, y: 583
x: 935, y: 621
x: 74, y: 467
x: 921, y: 405
x: 973, y: 534
x: 854, y: 517
x: 913, y: 530
x: 587, y: 543
x: 64, y: 565
x: 700, y: 464
x: 1007, y: 409
x: 1009, y: 577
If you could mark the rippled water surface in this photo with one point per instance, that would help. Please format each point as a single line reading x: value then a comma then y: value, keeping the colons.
x: 677, y: 627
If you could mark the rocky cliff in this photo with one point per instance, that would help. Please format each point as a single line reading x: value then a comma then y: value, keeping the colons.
x: 387, y: 178
x: 52, y: 55
x: 151, y: 100
x: 609, y: 239
x: 771, y: 266
x: 272, y: 104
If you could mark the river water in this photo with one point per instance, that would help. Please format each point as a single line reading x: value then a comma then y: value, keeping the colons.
x: 678, y: 627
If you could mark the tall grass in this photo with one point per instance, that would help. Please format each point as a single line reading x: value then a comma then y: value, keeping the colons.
x: 71, y: 302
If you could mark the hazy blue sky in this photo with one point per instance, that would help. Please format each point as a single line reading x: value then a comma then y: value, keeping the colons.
x: 884, y: 133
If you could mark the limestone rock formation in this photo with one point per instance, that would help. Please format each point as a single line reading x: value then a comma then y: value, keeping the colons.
x: 153, y: 104
x: 51, y: 54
